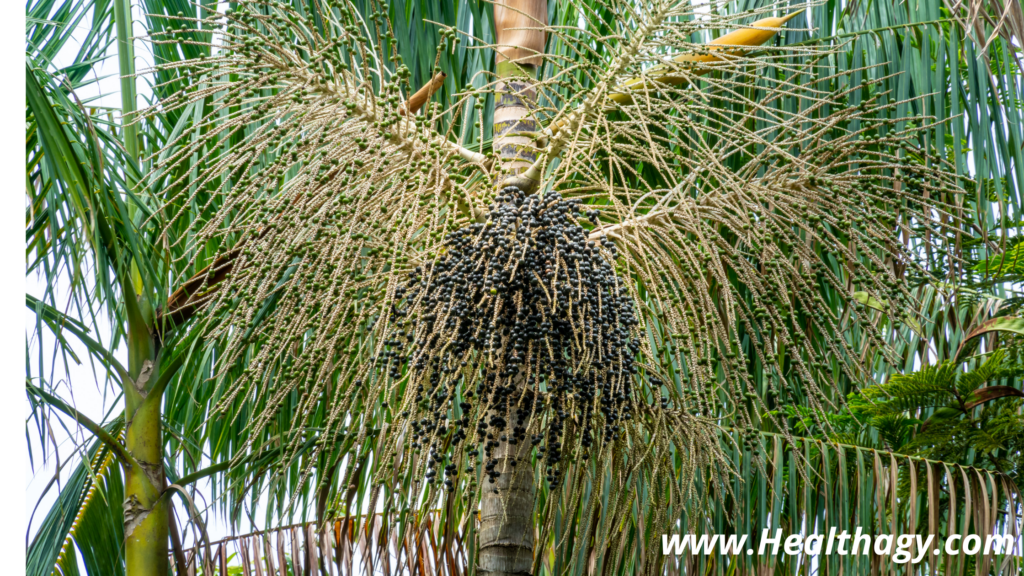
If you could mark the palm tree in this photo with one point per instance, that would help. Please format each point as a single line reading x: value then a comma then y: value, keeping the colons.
x: 387, y: 266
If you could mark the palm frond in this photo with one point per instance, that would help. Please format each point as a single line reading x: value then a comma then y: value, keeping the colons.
x: 825, y: 484
x: 85, y: 521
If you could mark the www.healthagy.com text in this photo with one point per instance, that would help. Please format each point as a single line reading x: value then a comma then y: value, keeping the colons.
x: 903, y: 548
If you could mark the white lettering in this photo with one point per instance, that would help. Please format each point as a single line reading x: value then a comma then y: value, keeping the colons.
x: 922, y: 547
x: 881, y: 548
x: 972, y: 544
x: 813, y: 544
x: 949, y: 544
x: 860, y: 539
x: 902, y: 554
x: 1005, y: 543
x: 672, y: 546
x: 792, y: 545
x: 732, y: 545
x: 765, y: 540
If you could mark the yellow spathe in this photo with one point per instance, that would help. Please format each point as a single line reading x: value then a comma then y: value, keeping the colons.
x: 760, y: 32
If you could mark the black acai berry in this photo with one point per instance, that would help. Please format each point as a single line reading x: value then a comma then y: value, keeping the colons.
x: 521, y: 321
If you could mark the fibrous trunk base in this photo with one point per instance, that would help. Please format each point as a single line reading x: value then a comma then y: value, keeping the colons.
x: 506, y: 527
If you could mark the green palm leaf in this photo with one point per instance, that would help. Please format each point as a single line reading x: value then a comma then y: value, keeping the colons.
x: 85, y: 520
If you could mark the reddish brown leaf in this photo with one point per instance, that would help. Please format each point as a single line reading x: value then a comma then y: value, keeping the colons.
x: 989, y: 393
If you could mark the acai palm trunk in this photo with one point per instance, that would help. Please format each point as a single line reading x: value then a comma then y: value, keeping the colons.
x: 507, y: 505
x: 145, y: 509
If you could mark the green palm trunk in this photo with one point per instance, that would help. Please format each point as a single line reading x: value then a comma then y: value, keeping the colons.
x: 145, y: 512
x: 145, y: 509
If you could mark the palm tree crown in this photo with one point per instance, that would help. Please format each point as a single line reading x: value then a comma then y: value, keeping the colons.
x: 365, y: 275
